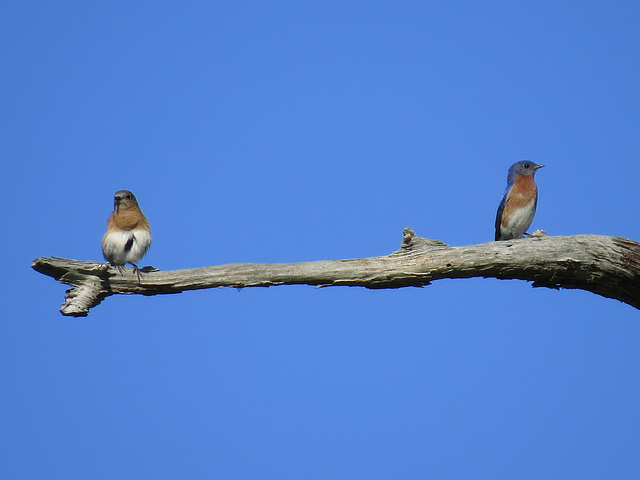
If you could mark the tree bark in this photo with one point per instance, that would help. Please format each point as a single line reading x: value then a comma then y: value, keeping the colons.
x: 607, y: 266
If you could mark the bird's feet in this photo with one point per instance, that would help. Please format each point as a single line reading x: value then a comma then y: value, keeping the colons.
x: 136, y: 270
x: 537, y: 233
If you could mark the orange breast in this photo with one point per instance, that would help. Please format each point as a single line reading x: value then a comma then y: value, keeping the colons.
x: 127, y: 220
x: 524, y: 189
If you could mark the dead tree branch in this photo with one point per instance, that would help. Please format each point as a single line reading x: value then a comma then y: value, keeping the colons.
x: 607, y: 266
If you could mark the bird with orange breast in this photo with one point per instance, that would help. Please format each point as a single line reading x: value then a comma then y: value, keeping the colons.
x: 518, y: 205
x: 128, y: 235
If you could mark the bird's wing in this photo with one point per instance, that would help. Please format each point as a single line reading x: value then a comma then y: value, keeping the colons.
x: 500, y: 210
x: 129, y: 243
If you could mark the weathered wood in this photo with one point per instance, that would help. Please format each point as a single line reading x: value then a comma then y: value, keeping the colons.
x: 607, y: 266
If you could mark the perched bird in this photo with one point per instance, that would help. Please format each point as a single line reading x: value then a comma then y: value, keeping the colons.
x: 128, y: 232
x: 518, y: 205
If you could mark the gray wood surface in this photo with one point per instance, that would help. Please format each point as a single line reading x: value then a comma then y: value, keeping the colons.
x: 607, y: 266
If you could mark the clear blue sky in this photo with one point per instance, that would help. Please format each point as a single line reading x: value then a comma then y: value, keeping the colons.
x: 288, y: 131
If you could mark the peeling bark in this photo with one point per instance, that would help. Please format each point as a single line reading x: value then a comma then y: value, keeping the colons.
x: 607, y: 266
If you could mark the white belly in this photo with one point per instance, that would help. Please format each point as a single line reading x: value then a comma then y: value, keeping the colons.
x: 519, y: 220
x: 113, y: 246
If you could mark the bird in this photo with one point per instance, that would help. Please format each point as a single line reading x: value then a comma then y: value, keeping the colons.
x: 519, y: 201
x: 128, y: 235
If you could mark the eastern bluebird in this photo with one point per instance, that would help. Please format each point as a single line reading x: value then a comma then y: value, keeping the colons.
x: 518, y: 204
x: 128, y: 232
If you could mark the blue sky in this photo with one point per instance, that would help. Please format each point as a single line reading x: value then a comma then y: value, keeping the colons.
x: 290, y: 131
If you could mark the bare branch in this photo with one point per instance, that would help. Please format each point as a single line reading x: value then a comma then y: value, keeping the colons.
x: 607, y: 266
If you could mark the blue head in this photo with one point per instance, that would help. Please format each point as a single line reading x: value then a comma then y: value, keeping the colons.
x: 522, y: 168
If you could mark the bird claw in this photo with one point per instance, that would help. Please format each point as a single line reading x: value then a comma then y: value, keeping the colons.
x: 136, y: 270
x: 537, y: 233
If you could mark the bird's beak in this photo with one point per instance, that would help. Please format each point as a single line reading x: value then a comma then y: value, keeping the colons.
x: 539, y: 166
x: 116, y: 204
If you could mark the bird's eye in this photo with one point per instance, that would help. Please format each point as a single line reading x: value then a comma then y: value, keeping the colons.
x: 128, y: 197
x: 527, y: 165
